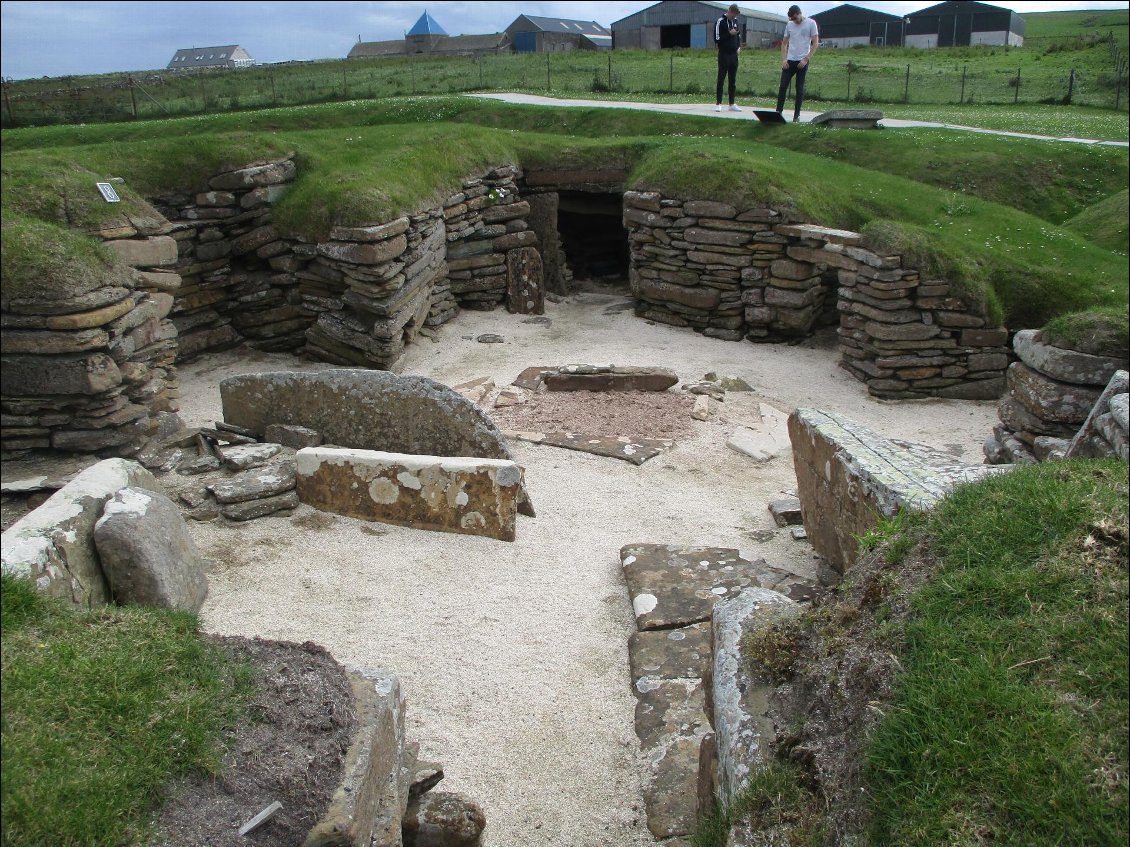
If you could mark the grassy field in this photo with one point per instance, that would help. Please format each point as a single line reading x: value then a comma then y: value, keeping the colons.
x: 101, y: 710
x: 1019, y: 265
x: 1040, y: 73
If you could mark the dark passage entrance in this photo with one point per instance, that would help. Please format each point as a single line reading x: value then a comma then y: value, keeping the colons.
x: 675, y: 35
x: 594, y: 239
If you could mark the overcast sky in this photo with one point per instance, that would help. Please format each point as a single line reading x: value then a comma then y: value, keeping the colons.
x: 45, y: 38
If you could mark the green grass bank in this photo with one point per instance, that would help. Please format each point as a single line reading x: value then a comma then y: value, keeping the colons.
x: 101, y: 710
x: 1006, y: 722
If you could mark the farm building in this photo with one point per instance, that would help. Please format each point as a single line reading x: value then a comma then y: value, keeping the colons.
x: 964, y: 24
x: 849, y: 25
x: 530, y: 34
x: 191, y: 58
x: 683, y: 23
x: 428, y: 38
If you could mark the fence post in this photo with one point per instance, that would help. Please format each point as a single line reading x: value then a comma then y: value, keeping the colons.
x: 1117, y: 94
x: 412, y: 66
x: 203, y: 94
x: 1016, y: 94
x: 609, y: 70
x: 133, y: 97
x: 481, y: 58
x: 849, y: 81
x: 964, y: 71
x: 271, y: 76
x: 906, y: 87
x: 8, y: 103
x: 344, y: 84
x: 671, y: 78
x: 1070, y: 87
x: 547, y: 72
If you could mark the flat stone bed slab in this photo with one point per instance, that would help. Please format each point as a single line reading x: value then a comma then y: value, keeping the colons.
x: 634, y: 450
x: 609, y: 378
x: 678, y: 586
x: 682, y: 653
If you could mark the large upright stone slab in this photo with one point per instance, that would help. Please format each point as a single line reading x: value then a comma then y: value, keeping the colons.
x: 848, y: 477
x: 54, y: 545
x: 368, y: 806
x: 525, y: 282
x: 743, y: 729
x: 369, y: 410
x: 464, y: 495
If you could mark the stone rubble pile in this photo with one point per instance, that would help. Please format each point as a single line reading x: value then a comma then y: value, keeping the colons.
x: 239, y: 278
x: 1051, y: 392
x: 92, y: 371
x: 753, y: 273
x: 492, y: 254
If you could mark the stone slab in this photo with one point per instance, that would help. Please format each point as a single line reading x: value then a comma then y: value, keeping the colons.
x: 446, y: 494
x: 367, y: 807
x: 744, y: 732
x: 1062, y: 364
x: 249, y: 510
x: 625, y: 447
x: 53, y: 546
x: 786, y: 511
x: 1081, y: 443
x: 848, y: 477
x: 678, y: 586
x: 242, y: 457
x: 671, y: 722
x: 255, y: 484
x: 609, y: 378
x: 766, y: 440
x: 850, y: 118
x: 682, y: 653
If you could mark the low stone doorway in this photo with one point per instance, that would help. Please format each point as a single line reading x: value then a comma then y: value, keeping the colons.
x: 594, y: 240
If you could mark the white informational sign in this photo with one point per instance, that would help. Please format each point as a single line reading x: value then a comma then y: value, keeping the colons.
x: 108, y: 192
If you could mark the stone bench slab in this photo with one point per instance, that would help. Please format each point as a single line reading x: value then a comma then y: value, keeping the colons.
x: 850, y: 118
x: 446, y: 494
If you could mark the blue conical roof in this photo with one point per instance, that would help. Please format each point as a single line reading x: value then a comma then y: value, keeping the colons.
x: 427, y: 25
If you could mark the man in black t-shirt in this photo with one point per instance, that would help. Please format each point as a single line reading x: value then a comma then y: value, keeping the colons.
x: 728, y: 39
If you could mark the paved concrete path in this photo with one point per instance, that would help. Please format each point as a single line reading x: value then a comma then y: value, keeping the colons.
x: 707, y: 111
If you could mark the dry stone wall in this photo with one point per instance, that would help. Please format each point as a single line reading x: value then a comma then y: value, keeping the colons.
x: 93, y: 371
x: 1051, y: 392
x: 755, y: 273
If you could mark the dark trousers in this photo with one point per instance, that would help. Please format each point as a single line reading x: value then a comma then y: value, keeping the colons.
x: 794, y: 69
x: 727, y: 68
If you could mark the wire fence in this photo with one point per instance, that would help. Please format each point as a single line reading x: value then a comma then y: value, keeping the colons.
x: 928, y: 78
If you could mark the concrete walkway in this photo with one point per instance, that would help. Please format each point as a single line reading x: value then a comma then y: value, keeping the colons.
x: 707, y: 111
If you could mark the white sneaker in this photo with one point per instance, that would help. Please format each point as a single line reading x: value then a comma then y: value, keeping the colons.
x: 734, y: 108
x: 718, y: 108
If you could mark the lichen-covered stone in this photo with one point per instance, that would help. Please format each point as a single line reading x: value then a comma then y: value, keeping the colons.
x: 453, y: 494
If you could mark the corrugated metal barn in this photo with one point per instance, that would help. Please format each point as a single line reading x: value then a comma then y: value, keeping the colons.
x: 533, y: 34
x: 849, y: 25
x: 685, y: 23
x: 964, y: 24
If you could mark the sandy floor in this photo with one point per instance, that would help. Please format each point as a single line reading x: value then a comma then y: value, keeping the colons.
x: 513, y: 656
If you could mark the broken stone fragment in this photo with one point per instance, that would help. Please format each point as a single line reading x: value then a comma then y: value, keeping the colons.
x: 292, y: 436
x: 703, y: 408
x: 443, y: 819
x: 243, y: 457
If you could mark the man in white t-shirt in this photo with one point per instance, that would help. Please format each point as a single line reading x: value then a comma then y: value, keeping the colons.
x: 797, y: 49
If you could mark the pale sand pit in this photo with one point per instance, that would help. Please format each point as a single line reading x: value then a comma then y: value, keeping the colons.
x: 513, y: 656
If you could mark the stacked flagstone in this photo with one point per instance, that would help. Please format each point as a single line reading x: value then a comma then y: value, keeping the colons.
x: 1051, y: 392
x: 492, y: 254
x: 385, y: 273
x: 239, y: 277
x: 92, y: 371
x: 752, y: 273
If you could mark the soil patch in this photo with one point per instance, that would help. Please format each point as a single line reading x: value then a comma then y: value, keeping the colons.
x: 647, y: 414
x: 289, y: 748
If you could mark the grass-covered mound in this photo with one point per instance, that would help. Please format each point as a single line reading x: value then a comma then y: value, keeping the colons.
x: 1105, y: 223
x: 364, y: 162
x: 1102, y: 332
x: 968, y: 683
x: 101, y: 710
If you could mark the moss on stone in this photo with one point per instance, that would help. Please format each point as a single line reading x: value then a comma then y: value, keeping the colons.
x: 1100, y: 332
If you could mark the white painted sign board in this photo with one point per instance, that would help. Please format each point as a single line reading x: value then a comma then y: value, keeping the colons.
x: 108, y: 192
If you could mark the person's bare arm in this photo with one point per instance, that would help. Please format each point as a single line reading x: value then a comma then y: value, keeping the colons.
x: 812, y: 45
x: 785, y: 51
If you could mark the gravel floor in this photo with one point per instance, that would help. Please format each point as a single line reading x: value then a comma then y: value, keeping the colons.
x: 513, y: 656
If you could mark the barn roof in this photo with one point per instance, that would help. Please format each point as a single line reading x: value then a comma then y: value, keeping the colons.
x: 566, y: 25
